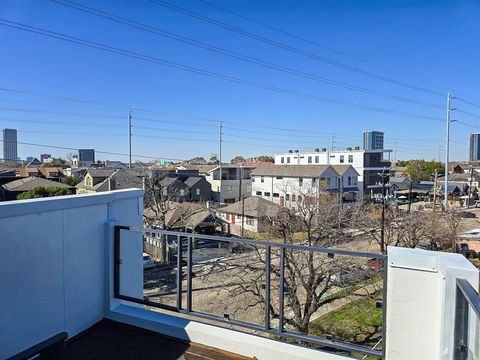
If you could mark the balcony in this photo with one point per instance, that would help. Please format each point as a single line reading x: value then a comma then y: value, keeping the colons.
x: 73, y: 264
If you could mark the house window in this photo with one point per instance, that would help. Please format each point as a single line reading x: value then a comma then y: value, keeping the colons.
x: 322, y: 181
x: 262, y: 179
x: 354, y: 180
x: 287, y: 197
x: 259, y: 193
x: 279, y: 177
x: 314, y: 181
x: 198, y: 192
x: 293, y: 197
x: 249, y: 220
x: 349, y: 181
x: 88, y: 181
x: 342, y: 159
x: 228, y: 217
x: 253, y: 178
x: 288, y: 160
x: 328, y: 181
x: 300, y: 182
x: 350, y: 158
x: 309, y: 159
x: 182, y: 192
x: 317, y: 159
x: 266, y: 193
x: 282, y: 159
x: 276, y: 195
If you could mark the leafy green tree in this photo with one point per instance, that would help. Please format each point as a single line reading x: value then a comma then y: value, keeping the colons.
x: 265, y: 158
x: 401, y: 163
x: 237, y: 160
x: 41, y: 192
x: 213, y: 160
x: 56, y: 162
x: 198, y: 160
x: 421, y: 170
x: 71, y: 180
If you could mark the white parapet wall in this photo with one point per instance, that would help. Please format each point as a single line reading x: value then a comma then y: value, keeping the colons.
x: 421, y: 292
x: 53, y: 263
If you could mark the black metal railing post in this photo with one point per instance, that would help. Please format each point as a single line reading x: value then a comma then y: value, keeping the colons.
x: 179, y: 272
x: 189, y: 274
x: 268, y: 251
x: 116, y: 258
x: 281, y: 294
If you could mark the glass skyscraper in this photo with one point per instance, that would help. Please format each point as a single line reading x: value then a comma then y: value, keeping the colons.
x: 475, y: 147
x: 372, y: 140
x: 10, y: 145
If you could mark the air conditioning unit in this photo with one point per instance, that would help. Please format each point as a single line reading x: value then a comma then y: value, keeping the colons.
x: 357, y: 147
x: 295, y: 151
x: 290, y: 151
x: 349, y: 149
x: 317, y: 150
x: 324, y: 149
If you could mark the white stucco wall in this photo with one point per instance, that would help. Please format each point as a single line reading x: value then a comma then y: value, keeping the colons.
x: 421, y: 302
x: 54, y: 259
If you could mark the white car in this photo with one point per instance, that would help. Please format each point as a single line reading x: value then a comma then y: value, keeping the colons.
x: 148, y: 262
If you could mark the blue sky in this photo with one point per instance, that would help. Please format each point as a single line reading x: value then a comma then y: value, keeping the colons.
x: 428, y: 44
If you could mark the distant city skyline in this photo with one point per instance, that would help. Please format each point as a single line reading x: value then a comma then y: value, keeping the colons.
x: 343, y: 76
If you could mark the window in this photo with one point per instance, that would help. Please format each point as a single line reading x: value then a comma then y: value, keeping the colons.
x: 88, y: 181
x: 309, y: 159
x: 288, y: 160
x: 228, y: 217
x: 282, y: 159
x: 299, y: 197
x: 300, y: 182
x: 350, y: 158
x: 266, y: 193
x: 293, y: 197
x: 262, y: 179
x: 287, y: 197
x: 317, y: 159
x: 349, y: 181
x: 314, y: 181
x: 253, y: 178
x: 323, y: 182
x: 354, y: 180
x: 182, y: 192
x: 328, y: 181
x: 276, y: 195
x: 342, y: 159
x: 279, y: 177
x: 249, y: 220
x: 198, y: 192
x: 259, y: 193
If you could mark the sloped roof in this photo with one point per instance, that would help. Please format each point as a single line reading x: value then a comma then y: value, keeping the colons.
x: 192, y: 180
x: 342, y: 169
x: 185, y: 214
x: 200, y: 168
x: 101, y: 173
x: 254, y: 206
x: 293, y: 170
x: 31, y: 182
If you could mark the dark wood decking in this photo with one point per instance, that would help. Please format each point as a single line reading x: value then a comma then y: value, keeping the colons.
x: 112, y: 340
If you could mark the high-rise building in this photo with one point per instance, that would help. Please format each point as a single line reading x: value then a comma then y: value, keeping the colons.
x: 86, y: 157
x: 372, y: 140
x: 45, y: 157
x: 475, y: 147
x: 10, y: 153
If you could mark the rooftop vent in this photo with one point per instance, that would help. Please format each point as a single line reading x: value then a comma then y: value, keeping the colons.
x: 324, y: 149
x: 317, y: 150
x: 349, y: 149
x: 290, y: 151
x: 295, y: 151
x: 357, y: 147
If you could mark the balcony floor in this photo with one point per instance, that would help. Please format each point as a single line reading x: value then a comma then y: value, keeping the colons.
x: 113, y: 340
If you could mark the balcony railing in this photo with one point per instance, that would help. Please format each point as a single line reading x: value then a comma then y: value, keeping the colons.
x: 263, y: 286
x: 467, y: 304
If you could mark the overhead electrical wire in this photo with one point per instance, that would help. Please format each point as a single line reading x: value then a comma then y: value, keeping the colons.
x: 247, y: 58
x: 289, y: 48
x: 207, y: 73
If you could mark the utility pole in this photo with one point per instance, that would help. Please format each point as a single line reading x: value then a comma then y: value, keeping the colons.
x: 130, y: 140
x: 384, y: 176
x: 220, y: 140
x: 333, y: 142
x: 410, y: 196
x: 470, y: 187
x: 243, y: 213
x: 435, y: 190
x: 447, y: 148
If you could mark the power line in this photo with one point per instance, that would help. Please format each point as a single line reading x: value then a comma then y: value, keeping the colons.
x: 237, y: 55
x: 289, y: 48
x: 468, y: 102
x: 207, y: 73
x: 97, y: 151
x: 310, y: 42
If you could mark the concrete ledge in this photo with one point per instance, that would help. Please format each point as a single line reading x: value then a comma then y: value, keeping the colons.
x: 225, y: 339
x: 31, y: 206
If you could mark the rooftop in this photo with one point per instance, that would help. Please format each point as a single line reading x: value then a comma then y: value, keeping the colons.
x: 299, y: 170
x: 31, y: 182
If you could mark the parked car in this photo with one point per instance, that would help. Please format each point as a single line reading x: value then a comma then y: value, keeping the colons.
x: 466, y: 214
x: 148, y: 262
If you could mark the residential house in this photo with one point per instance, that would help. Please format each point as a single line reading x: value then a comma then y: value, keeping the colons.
x: 50, y: 173
x: 283, y: 184
x: 98, y: 180
x: 368, y: 163
x: 34, y: 163
x: 253, y: 214
x: 229, y: 182
x: 11, y: 190
x: 7, y: 175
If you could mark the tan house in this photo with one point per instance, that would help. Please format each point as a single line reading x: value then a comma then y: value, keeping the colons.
x: 51, y: 173
x: 109, y: 179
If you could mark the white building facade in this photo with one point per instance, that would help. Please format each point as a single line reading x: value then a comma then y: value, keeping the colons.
x: 283, y: 184
x: 368, y: 163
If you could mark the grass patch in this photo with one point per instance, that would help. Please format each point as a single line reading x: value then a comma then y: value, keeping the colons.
x: 358, y: 322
